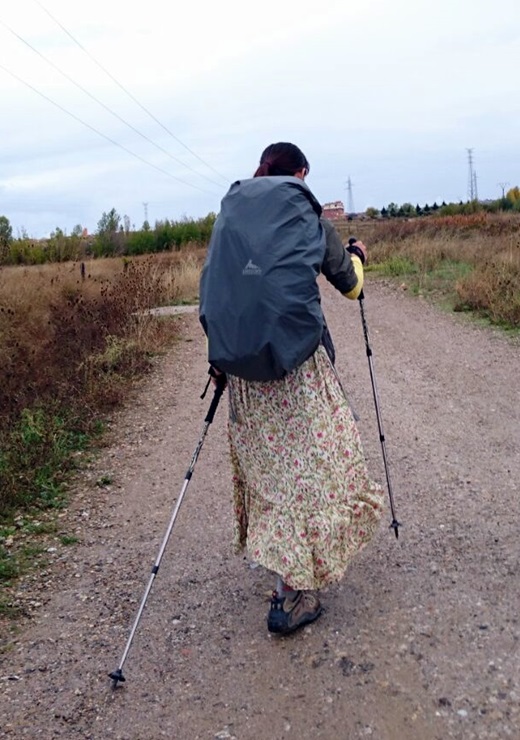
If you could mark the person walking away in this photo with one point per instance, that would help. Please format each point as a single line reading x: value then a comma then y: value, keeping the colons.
x: 304, y: 504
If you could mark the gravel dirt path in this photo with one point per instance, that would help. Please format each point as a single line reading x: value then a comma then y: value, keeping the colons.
x: 419, y: 642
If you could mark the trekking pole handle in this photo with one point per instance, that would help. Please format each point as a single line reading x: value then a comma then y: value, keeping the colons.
x: 220, y: 386
x: 355, y: 250
x: 359, y: 253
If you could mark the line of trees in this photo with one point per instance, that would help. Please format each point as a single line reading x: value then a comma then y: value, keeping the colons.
x: 510, y: 202
x: 114, y: 236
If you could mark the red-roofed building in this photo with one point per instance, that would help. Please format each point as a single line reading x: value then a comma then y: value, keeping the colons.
x: 333, y: 211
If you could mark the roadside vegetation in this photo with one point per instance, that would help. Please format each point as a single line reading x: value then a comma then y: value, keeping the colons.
x: 468, y: 262
x: 115, y: 236
x: 74, y: 338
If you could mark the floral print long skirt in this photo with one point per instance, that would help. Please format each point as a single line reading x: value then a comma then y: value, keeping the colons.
x: 304, y: 504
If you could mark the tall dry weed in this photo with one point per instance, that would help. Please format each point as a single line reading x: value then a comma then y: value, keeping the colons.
x: 475, y: 258
x: 493, y: 288
x: 71, y: 339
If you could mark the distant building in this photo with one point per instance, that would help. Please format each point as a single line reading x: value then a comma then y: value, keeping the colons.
x: 333, y: 211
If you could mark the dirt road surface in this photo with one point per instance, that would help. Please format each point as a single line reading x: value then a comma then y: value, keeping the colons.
x: 419, y: 642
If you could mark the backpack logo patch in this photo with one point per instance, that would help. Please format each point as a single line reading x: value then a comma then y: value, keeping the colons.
x: 251, y: 269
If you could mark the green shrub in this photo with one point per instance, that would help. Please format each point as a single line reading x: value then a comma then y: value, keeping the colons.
x: 397, y: 265
x: 140, y: 242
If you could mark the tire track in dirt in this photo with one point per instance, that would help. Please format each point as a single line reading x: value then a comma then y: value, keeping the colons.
x: 420, y: 640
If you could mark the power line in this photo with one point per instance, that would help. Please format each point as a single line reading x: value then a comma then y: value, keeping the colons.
x: 104, y: 136
x: 130, y: 95
x: 106, y: 107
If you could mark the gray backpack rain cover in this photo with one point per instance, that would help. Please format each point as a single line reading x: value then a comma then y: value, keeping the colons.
x: 259, y: 299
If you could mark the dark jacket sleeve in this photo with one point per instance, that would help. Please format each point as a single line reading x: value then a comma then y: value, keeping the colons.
x: 337, y: 265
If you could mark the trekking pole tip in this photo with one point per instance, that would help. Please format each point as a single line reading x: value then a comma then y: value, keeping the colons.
x: 395, y: 526
x: 116, y: 676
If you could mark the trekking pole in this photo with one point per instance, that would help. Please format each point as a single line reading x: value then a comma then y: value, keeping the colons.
x: 395, y: 524
x: 220, y: 384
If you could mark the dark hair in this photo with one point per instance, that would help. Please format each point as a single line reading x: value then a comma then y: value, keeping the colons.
x: 281, y: 159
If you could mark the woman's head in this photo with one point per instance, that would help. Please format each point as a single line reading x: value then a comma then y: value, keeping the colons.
x: 282, y: 159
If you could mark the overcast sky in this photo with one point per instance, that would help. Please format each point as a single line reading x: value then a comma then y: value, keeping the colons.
x: 389, y: 93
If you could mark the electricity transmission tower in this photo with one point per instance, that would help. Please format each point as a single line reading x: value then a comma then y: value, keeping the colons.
x: 145, y: 206
x: 472, y: 178
x: 350, y: 198
x: 503, y: 186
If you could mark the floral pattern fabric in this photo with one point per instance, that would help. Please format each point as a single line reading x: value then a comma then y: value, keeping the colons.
x: 304, y: 504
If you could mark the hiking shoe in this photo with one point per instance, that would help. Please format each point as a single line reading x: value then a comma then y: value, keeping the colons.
x: 287, y: 615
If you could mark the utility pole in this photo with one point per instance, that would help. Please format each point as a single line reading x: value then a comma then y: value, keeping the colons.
x: 503, y: 186
x: 472, y: 180
x: 350, y: 201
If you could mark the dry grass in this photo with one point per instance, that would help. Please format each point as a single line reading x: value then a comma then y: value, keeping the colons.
x: 71, y: 340
x: 186, y: 279
x: 486, y: 225
x: 472, y: 260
